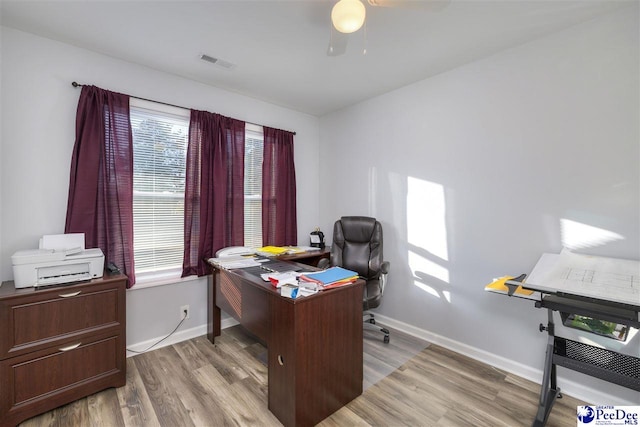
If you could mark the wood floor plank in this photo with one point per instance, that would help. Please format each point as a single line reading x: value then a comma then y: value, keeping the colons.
x: 343, y: 417
x: 168, y: 408
x: 222, y: 357
x: 48, y: 419
x: 76, y: 413
x: 425, y: 408
x: 195, y: 398
x: 191, y: 355
x: 135, y: 405
x: 104, y: 409
x: 236, y: 405
x: 216, y: 385
x: 247, y: 394
x: 245, y: 361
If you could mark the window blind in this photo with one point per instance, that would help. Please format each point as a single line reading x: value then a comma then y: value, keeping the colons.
x: 254, y: 146
x: 159, y: 162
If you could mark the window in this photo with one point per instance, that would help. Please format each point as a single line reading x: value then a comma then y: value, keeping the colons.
x: 159, y: 161
x: 253, y: 149
x: 160, y: 136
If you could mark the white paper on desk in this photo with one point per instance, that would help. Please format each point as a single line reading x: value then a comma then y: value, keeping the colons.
x: 604, y: 278
x: 308, y: 248
x: 233, y: 262
x: 305, y: 292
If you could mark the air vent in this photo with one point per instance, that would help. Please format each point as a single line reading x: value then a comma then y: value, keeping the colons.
x: 217, y: 61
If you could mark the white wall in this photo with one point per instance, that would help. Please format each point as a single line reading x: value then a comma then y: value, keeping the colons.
x: 473, y: 171
x: 38, y: 132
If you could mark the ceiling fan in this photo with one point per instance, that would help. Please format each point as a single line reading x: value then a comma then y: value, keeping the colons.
x: 348, y: 16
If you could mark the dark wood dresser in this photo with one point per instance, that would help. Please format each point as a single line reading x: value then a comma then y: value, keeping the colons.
x: 60, y: 344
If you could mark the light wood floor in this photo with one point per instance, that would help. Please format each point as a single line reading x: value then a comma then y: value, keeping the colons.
x: 194, y: 383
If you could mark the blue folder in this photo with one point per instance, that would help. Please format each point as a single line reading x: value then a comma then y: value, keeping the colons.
x: 331, y: 275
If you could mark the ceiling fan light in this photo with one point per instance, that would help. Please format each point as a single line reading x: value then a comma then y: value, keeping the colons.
x: 348, y: 16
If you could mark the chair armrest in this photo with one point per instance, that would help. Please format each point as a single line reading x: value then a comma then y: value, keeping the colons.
x: 384, y: 268
x: 324, y: 263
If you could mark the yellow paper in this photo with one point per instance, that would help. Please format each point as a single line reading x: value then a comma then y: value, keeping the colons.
x: 499, y: 286
x: 275, y: 250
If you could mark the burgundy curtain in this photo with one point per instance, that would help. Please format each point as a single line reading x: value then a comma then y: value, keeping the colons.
x: 279, y: 226
x: 214, y: 194
x: 100, y: 200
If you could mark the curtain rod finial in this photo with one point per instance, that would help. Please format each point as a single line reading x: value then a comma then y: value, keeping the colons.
x: 75, y: 84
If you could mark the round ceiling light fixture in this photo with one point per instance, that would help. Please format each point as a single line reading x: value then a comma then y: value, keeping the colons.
x: 348, y: 16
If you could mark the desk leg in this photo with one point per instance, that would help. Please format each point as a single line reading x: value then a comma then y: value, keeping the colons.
x: 213, y: 312
x: 549, y: 390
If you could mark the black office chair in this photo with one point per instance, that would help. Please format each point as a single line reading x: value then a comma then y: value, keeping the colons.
x: 357, y: 246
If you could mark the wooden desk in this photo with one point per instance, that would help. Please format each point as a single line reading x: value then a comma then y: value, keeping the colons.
x: 314, y: 343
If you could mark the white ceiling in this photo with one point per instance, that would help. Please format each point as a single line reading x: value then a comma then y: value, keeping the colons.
x: 279, y: 47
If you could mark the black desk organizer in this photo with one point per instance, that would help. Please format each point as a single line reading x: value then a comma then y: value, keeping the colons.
x: 597, y: 362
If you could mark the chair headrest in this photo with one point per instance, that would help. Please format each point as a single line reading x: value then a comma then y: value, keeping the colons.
x: 357, y: 228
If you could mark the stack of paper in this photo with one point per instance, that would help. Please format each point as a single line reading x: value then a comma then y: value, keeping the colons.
x: 271, y: 251
x: 231, y: 262
x: 300, y: 249
x: 331, y: 277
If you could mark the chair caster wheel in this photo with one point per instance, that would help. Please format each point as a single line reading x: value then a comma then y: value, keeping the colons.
x: 386, y: 339
x: 372, y: 321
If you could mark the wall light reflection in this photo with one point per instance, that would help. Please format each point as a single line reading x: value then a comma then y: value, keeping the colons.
x: 576, y: 235
x: 426, y: 215
x: 428, y: 251
x: 420, y: 264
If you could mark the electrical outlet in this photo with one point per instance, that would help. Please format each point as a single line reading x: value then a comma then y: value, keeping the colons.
x: 184, y: 310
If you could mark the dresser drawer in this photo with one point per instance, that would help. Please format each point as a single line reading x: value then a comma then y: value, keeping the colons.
x: 40, y: 319
x: 43, y: 380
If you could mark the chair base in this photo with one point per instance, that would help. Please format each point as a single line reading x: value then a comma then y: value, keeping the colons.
x: 369, y: 320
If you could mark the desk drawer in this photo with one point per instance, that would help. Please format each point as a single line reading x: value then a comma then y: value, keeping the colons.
x: 43, y: 380
x: 248, y: 304
x: 38, y: 320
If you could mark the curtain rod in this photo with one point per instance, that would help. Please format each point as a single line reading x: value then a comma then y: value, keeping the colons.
x: 76, y: 84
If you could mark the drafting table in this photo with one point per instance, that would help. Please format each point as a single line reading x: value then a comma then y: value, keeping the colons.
x: 589, y: 293
x: 599, y: 288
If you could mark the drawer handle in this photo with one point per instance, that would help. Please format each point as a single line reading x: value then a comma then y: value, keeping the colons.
x: 280, y: 360
x: 71, y: 347
x: 72, y: 294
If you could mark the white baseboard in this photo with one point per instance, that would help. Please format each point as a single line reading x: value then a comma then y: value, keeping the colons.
x: 177, y: 337
x: 571, y: 388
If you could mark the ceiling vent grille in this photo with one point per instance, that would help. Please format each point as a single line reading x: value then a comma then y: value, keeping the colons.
x: 217, y: 61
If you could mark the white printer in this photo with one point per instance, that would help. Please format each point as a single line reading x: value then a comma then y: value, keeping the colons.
x: 61, y: 258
